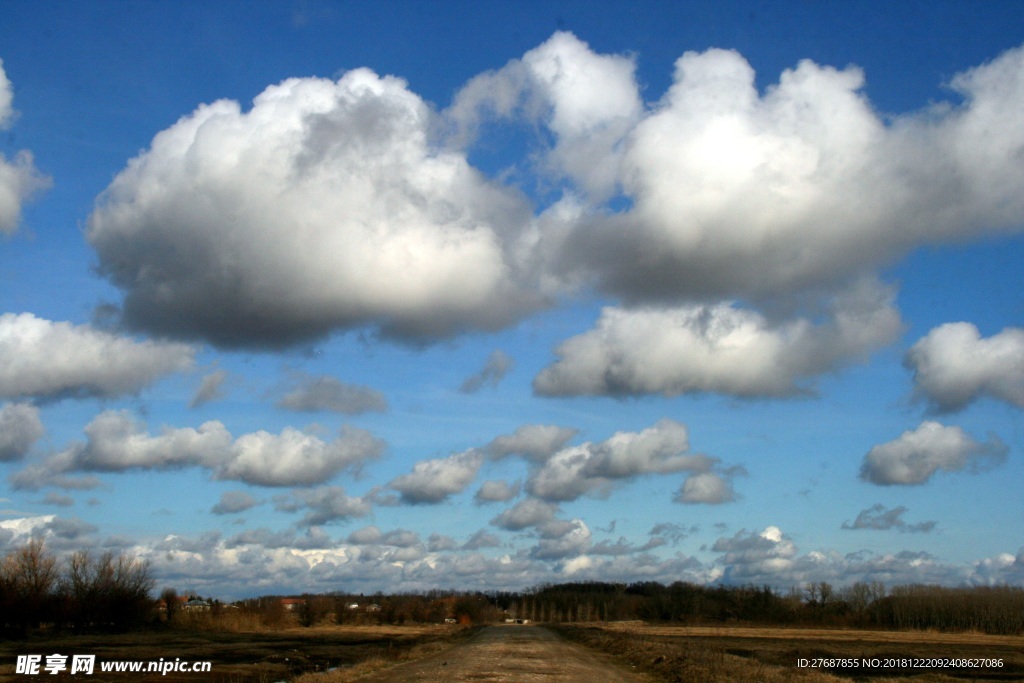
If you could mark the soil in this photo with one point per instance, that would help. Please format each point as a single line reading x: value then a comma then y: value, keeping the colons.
x: 512, y: 653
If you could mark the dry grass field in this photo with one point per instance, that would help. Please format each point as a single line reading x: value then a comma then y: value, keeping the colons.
x: 241, y: 656
x: 708, y: 654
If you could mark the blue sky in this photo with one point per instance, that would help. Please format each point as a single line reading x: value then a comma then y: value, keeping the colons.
x: 394, y: 296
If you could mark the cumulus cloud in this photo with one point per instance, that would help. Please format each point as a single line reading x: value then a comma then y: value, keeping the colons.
x: 438, y: 543
x: 433, y: 481
x: 672, y: 531
x: 917, y: 455
x: 480, y: 540
x: 233, y: 502
x: 294, y: 458
x: 19, y: 179
x: 879, y: 518
x: 720, y: 348
x: 314, y: 538
x: 739, y: 193
x: 588, y: 101
x: 20, y: 428
x: 536, y: 443
x: 954, y: 366
x: 116, y: 442
x: 592, y: 468
x: 561, y: 539
x: 210, y: 388
x: 497, y: 366
x: 325, y: 393
x: 749, y: 553
x: 324, y: 207
x: 709, y: 488
x: 365, y: 536
x: 496, y: 492
x: 524, y: 514
x: 51, y: 360
x: 330, y: 504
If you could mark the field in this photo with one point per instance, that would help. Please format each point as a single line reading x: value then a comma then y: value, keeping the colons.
x: 711, y: 654
x: 676, y: 654
x: 237, y: 657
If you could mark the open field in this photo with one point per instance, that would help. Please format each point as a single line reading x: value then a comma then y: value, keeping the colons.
x: 709, y: 654
x: 237, y: 657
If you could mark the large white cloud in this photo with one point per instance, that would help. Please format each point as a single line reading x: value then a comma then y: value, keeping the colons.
x: 588, y: 101
x: 917, y: 455
x: 20, y: 428
x: 326, y: 393
x: 534, y: 442
x: 953, y: 366
x: 719, y: 348
x: 294, y: 458
x: 593, y: 468
x: 433, y: 481
x: 44, y: 359
x: 323, y: 207
x: 19, y: 179
x: 709, y: 488
x: 117, y: 442
x: 739, y: 193
x: 524, y: 514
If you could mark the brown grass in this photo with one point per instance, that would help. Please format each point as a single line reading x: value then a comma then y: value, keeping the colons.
x: 705, y: 654
x: 261, y: 656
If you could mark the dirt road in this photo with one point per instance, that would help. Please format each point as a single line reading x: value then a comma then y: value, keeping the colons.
x: 511, y: 653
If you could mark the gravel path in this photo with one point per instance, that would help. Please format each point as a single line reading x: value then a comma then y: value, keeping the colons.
x: 511, y: 653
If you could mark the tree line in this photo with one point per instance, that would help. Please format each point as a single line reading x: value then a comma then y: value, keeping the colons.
x: 81, y: 593
x: 996, y: 610
x: 112, y: 592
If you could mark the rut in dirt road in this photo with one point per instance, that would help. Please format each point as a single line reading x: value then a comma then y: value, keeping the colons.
x: 512, y: 653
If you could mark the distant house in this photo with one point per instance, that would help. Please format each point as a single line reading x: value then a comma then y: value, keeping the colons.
x: 291, y: 604
x: 197, y: 605
x: 356, y: 607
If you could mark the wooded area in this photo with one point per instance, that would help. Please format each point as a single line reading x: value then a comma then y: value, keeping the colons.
x: 113, y: 592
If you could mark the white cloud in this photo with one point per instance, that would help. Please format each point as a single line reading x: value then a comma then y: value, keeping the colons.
x: 6, y: 98
x: 433, y: 481
x: 330, y: 504
x: 954, y: 366
x: 52, y: 360
x: 592, y: 468
x: 210, y: 389
x: 709, y: 488
x: 116, y: 442
x: 879, y: 518
x: 19, y: 180
x: 589, y: 101
x: 324, y: 207
x: 496, y: 492
x: 294, y: 458
x: 536, y: 443
x: 20, y: 428
x: 720, y: 348
x: 365, y: 536
x: 917, y: 455
x: 232, y: 502
x: 480, y: 540
x: 326, y: 393
x: 562, y: 539
x: 497, y: 366
x: 736, y: 193
x: 524, y: 514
